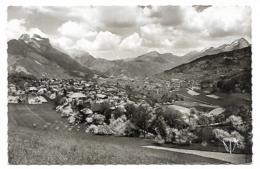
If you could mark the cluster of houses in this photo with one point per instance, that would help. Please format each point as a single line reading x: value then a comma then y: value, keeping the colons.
x: 49, y: 89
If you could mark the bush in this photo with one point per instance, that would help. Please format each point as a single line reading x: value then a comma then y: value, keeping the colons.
x: 119, y: 125
x: 119, y: 111
x: 98, y: 119
x: 237, y: 123
x: 141, y: 118
x: 99, y: 129
x: 184, y: 136
x: 231, y: 141
x: 92, y: 129
x: 104, y: 130
x: 100, y: 107
x: 159, y: 139
x: 131, y: 130
x: 173, y: 118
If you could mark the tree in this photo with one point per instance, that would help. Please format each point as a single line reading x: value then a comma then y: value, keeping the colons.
x: 231, y: 141
x: 237, y: 123
x: 174, y: 118
x: 158, y: 126
x: 141, y: 118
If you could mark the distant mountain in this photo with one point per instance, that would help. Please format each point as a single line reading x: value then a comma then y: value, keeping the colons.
x: 152, y: 62
x: 96, y: 64
x: 145, y: 65
x: 34, y: 55
x: 237, y: 44
x: 232, y: 67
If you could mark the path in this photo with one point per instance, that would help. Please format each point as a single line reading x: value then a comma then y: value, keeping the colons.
x: 229, y: 158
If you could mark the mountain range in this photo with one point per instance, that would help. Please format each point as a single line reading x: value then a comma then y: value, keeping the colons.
x: 145, y: 65
x: 237, y: 44
x: 35, y: 55
x: 153, y: 62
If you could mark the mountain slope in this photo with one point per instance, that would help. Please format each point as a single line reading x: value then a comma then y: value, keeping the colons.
x: 237, y: 44
x: 34, y: 55
x: 228, y: 66
x: 145, y: 65
x: 96, y: 64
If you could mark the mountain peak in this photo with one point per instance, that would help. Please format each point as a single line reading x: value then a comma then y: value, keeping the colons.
x: 241, y: 42
x: 153, y: 53
x: 29, y: 37
x: 36, y: 41
x: 25, y: 37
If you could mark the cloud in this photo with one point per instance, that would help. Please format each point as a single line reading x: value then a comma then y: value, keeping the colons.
x: 200, y: 8
x: 63, y: 43
x: 118, y: 16
x: 131, y: 42
x: 104, y: 41
x: 154, y: 34
x: 37, y: 31
x: 16, y: 27
x: 217, y: 22
x: 165, y: 15
x: 122, y: 30
x: 186, y: 43
x: 76, y: 30
x: 238, y: 22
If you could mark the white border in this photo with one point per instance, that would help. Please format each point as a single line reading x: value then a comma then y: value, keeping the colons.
x: 3, y: 67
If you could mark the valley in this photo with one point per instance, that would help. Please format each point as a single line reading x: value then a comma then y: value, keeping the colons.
x: 199, y: 102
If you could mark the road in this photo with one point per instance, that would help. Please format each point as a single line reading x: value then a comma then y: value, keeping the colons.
x: 116, y: 150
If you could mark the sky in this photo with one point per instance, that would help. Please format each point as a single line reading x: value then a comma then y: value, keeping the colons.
x: 120, y: 32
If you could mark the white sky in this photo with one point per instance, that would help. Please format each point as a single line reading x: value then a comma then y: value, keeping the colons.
x: 116, y: 32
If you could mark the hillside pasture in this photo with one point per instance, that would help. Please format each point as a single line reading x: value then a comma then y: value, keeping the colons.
x: 31, y: 142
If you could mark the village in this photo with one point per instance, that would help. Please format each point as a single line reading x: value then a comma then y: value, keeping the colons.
x: 161, y: 110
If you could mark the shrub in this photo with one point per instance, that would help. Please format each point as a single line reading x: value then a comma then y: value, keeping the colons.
x: 100, y: 107
x: 237, y: 123
x: 173, y: 118
x: 119, y: 111
x: 159, y: 139
x: 131, y: 130
x: 184, y: 136
x: 119, y: 125
x: 99, y: 129
x: 92, y: 129
x: 98, y: 119
x: 104, y: 130
x: 231, y: 141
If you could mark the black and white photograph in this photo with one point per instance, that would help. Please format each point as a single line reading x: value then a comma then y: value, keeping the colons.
x: 142, y: 84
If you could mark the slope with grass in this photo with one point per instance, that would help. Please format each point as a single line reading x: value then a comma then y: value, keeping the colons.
x: 29, y: 144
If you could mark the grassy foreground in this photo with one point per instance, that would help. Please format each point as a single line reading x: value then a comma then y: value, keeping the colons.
x: 39, y: 146
x: 34, y: 147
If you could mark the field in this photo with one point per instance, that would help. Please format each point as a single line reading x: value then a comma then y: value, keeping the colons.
x: 31, y: 142
x: 225, y: 98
